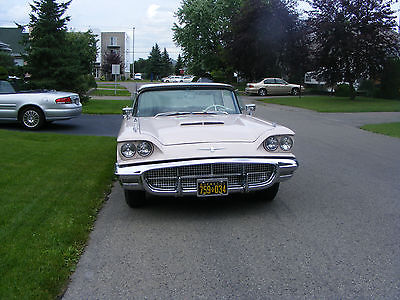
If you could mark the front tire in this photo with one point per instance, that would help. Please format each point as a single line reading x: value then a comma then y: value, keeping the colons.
x: 262, y: 92
x: 269, y: 194
x: 135, y: 199
x: 32, y: 118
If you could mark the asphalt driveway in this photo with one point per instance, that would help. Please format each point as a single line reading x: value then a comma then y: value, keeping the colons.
x: 332, y: 232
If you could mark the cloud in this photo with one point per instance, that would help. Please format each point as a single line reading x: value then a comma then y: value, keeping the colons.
x: 152, y: 11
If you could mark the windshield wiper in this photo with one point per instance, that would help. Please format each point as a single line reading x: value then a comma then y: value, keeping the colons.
x: 172, y: 113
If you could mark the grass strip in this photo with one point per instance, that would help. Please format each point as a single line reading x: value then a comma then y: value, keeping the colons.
x: 110, y: 93
x: 338, y: 104
x: 390, y: 129
x: 111, y: 86
x: 52, y: 187
x: 105, y: 106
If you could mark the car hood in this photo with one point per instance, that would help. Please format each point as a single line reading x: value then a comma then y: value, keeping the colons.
x: 175, y: 130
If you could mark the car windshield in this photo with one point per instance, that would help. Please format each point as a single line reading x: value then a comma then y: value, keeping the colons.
x: 186, y: 101
x: 6, y: 88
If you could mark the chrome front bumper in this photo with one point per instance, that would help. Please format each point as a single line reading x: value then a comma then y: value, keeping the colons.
x: 132, y: 177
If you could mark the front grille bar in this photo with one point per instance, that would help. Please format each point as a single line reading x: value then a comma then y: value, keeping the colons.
x: 184, y: 178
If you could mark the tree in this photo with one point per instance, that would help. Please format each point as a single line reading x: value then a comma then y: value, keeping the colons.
x: 178, y: 65
x: 202, y: 25
x: 267, y: 38
x: 390, y: 79
x: 47, y: 44
x: 352, y: 38
x: 83, y: 49
x: 155, y: 61
x: 142, y: 66
x: 6, y: 61
x: 57, y: 59
x: 111, y: 58
x: 166, y: 68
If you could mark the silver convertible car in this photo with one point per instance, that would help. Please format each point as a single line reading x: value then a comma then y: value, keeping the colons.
x: 34, y: 108
x: 195, y: 139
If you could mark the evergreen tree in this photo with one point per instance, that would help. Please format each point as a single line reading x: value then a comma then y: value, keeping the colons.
x: 46, y: 60
x: 179, y: 65
x: 57, y: 59
x: 155, y: 61
x: 166, y: 64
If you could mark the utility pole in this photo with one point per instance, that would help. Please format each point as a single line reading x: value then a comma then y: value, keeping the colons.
x: 133, y: 52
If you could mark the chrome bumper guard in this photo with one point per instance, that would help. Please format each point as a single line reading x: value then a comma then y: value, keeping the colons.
x: 133, y: 177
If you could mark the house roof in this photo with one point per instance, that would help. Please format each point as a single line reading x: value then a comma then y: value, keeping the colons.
x: 13, y: 36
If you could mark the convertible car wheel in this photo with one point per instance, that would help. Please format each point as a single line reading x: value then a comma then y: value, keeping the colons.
x: 32, y: 118
x: 134, y: 199
x: 270, y: 193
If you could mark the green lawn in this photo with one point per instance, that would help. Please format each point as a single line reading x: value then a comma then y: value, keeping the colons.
x: 111, y: 86
x: 338, y: 104
x: 110, y: 93
x: 51, y: 189
x: 105, y: 106
x: 391, y: 129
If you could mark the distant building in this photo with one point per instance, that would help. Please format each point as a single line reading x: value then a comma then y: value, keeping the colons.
x: 114, y: 42
x: 11, y: 39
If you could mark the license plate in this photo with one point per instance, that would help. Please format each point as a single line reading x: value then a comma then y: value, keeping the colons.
x: 212, y: 187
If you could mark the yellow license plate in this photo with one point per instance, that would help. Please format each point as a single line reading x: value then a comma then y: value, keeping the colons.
x: 212, y: 187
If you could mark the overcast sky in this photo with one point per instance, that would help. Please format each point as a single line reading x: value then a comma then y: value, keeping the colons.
x: 152, y: 19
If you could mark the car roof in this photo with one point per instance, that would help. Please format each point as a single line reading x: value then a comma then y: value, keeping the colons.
x: 188, y: 85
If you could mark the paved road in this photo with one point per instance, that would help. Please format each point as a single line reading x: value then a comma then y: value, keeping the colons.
x: 333, y: 231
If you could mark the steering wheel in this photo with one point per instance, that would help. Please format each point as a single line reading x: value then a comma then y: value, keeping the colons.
x: 217, y: 107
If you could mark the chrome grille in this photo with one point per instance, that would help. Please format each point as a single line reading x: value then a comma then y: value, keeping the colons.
x: 185, y: 177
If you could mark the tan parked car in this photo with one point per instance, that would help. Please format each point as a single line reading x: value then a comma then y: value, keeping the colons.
x: 195, y: 139
x: 273, y: 86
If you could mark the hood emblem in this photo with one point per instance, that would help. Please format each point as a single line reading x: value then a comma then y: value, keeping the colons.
x: 211, y: 149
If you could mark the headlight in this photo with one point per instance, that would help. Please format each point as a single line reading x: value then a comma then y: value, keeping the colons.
x: 286, y: 143
x: 271, y: 143
x: 128, y: 150
x: 144, y: 148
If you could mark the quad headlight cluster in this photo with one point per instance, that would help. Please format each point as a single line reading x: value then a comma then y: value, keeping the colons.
x: 273, y: 143
x: 142, y: 148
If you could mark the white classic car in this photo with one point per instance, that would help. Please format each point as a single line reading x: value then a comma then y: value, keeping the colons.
x: 34, y: 108
x: 194, y: 139
x: 273, y: 86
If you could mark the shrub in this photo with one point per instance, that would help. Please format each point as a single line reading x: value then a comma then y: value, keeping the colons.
x: 343, y: 90
x: 369, y: 88
x: 390, y: 86
x: 3, y: 73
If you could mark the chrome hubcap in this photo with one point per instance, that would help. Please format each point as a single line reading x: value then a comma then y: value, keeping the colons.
x: 31, y: 118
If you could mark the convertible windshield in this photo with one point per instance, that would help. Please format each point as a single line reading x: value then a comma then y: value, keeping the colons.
x: 186, y: 101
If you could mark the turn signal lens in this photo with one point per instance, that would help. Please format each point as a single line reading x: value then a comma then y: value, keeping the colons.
x: 64, y: 100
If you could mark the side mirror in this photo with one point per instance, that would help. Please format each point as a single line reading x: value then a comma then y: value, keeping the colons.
x: 250, y: 109
x: 127, y: 112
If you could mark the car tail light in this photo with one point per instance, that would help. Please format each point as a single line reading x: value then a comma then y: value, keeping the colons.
x: 64, y: 100
x: 251, y: 86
